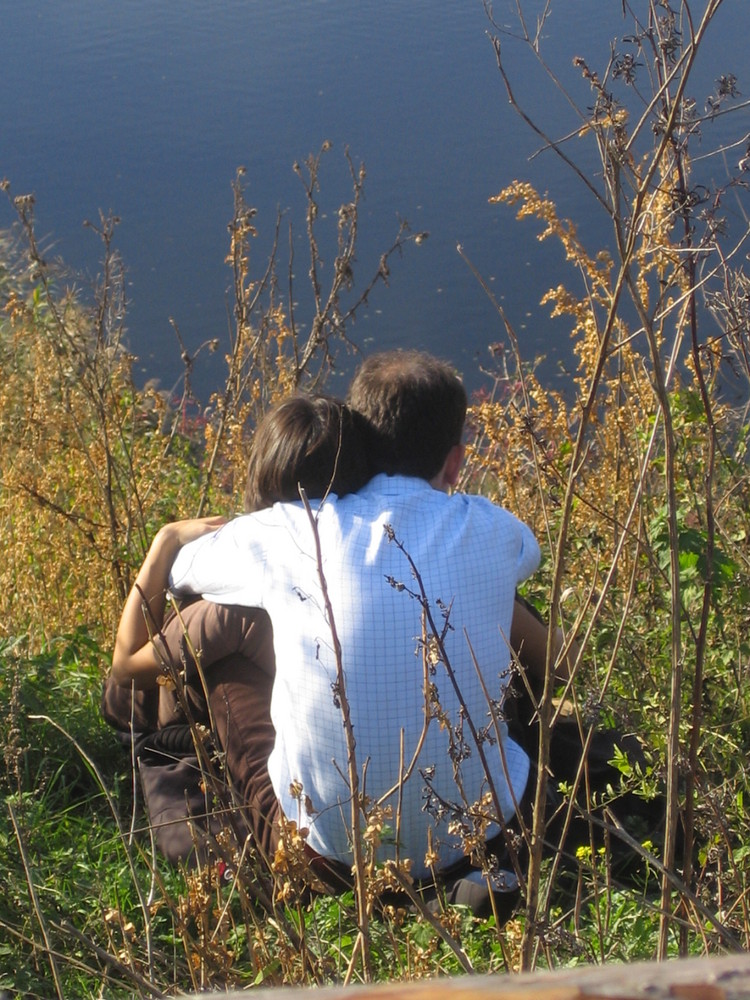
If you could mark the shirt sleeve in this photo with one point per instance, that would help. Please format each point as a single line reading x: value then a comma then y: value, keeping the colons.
x: 529, y: 555
x: 226, y: 566
x: 191, y: 571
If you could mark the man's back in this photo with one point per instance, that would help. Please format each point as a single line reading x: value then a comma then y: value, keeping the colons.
x: 468, y: 556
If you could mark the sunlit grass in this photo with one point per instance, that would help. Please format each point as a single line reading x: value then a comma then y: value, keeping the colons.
x: 635, y: 483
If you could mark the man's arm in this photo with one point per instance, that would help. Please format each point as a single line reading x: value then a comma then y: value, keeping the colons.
x: 134, y: 658
x: 528, y: 639
x: 529, y: 553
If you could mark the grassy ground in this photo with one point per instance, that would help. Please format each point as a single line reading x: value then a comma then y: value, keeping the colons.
x: 635, y: 482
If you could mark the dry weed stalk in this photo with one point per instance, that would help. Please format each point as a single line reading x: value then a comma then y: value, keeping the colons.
x: 637, y: 489
x: 612, y: 468
x: 92, y: 462
x: 272, y: 353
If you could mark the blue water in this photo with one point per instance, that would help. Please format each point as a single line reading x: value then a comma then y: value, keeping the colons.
x: 147, y: 108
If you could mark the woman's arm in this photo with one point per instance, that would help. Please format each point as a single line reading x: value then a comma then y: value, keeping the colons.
x: 135, y: 659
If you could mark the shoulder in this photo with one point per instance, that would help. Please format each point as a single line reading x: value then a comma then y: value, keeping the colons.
x: 216, y: 630
x: 493, y: 517
x: 246, y: 530
x: 481, y: 507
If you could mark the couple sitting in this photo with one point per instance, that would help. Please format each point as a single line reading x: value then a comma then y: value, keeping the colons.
x: 392, y: 608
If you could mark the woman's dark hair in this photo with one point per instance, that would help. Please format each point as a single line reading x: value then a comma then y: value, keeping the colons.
x: 315, y: 442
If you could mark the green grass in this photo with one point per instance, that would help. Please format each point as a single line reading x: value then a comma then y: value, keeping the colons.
x: 73, y: 890
x: 637, y: 488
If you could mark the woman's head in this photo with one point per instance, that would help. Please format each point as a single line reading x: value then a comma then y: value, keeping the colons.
x: 315, y: 442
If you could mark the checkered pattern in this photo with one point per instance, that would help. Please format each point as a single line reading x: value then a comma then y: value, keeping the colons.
x: 402, y: 563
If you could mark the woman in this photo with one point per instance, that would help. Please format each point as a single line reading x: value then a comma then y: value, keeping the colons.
x: 309, y: 443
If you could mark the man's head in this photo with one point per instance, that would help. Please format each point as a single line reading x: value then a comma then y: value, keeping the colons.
x: 415, y: 407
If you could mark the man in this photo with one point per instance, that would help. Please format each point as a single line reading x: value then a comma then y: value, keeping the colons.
x: 394, y: 604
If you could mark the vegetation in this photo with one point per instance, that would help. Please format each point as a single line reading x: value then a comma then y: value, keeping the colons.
x: 636, y: 485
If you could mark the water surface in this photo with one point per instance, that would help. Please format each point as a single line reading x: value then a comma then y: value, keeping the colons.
x: 147, y: 108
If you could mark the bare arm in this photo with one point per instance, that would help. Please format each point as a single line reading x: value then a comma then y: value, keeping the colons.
x: 528, y: 639
x: 134, y: 658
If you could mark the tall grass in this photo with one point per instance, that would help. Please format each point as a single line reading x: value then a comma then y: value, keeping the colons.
x: 650, y: 421
x: 636, y: 484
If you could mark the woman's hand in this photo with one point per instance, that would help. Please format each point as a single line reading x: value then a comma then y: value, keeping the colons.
x: 178, y: 533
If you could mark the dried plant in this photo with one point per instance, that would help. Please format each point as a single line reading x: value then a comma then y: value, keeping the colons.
x: 625, y: 483
x: 635, y: 483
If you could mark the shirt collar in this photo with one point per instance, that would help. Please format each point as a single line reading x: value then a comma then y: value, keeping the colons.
x: 385, y: 485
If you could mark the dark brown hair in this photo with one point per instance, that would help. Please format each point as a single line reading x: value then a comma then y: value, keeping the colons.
x: 311, y: 441
x: 415, y: 408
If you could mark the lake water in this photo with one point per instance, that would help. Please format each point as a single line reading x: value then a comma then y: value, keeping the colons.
x: 146, y: 108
